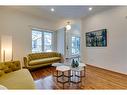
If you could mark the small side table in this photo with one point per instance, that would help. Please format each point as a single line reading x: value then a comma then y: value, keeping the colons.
x: 82, y: 65
x: 77, y: 73
x: 63, y: 69
x: 55, y: 65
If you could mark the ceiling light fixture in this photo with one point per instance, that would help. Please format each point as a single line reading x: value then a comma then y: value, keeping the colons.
x: 52, y: 9
x: 68, y: 26
x: 90, y: 8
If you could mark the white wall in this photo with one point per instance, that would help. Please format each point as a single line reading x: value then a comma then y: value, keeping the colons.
x: 75, y: 31
x: 64, y: 39
x: 19, y: 25
x: 61, y: 41
x: 114, y: 56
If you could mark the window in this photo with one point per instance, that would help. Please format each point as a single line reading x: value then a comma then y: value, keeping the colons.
x: 36, y: 41
x: 47, y: 41
x: 41, y: 41
x: 75, y: 45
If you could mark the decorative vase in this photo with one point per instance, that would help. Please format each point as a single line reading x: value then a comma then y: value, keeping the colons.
x: 76, y: 63
x: 73, y: 63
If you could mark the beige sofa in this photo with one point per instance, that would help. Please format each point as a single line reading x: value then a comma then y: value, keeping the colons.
x: 36, y: 60
x: 13, y: 77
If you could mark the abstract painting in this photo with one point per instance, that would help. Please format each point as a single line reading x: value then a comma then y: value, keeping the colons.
x: 96, y: 38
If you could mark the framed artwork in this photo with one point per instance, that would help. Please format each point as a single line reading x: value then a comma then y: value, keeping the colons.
x: 96, y: 38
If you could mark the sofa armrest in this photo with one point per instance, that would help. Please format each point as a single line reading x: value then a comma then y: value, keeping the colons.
x: 26, y: 61
x: 62, y: 58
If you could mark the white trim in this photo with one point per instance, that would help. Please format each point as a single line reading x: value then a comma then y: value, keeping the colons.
x: 40, y: 29
x: 52, y: 38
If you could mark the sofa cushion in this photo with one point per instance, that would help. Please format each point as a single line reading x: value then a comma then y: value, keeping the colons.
x: 41, y: 61
x: 20, y: 79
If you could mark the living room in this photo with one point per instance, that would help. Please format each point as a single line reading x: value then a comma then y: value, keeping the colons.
x: 61, y: 31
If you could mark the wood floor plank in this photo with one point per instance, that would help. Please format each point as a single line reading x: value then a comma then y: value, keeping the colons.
x: 96, y: 78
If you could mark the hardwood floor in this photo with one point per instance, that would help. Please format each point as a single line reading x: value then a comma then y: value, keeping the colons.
x: 95, y: 78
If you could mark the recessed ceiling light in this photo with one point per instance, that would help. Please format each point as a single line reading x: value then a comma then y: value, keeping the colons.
x: 52, y: 9
x: 90, y: 8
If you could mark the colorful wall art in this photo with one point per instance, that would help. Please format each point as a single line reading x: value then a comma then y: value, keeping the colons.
x: 96, y: 38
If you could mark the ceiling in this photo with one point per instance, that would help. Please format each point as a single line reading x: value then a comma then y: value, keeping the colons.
x: 61, y: 12
x: 73, y: 12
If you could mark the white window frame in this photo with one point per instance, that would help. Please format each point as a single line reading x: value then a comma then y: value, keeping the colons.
x: 52, y: 41
x: 79, y: 47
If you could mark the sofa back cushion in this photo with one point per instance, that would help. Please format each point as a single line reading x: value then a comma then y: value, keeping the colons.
x: 34, y: 56
x: 6, y: 67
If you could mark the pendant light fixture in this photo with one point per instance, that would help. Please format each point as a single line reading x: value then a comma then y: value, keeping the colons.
x: 68, y: 26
